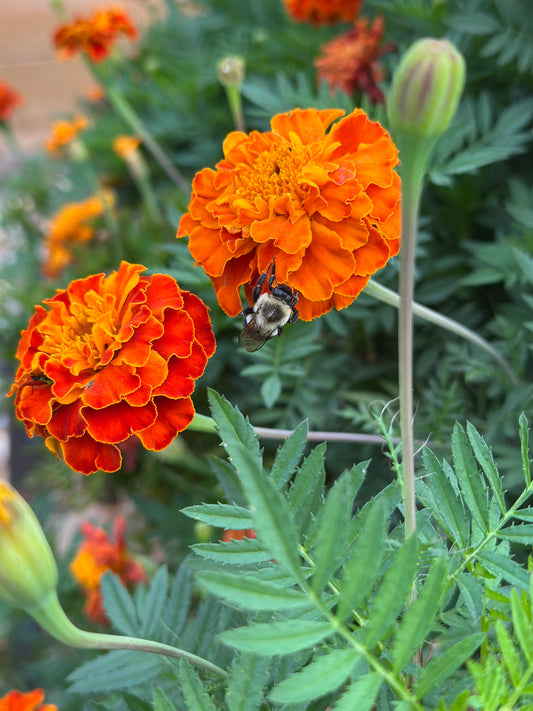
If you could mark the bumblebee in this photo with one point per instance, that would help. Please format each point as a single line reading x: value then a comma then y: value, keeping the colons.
x: 272, y: 310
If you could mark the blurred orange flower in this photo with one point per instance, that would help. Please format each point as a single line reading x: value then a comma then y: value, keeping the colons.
x: 94, y: 35
x: 322, y: 12
x: 72, y: 225
x: 325, y: 206
x: 98, y: 554
x: 232, y: 534
x: 9, y: 100
x: 110, y: 357
x: 30, y: 701
x: 124, y: 146
x: 63, y: 132
x: 350, y: 62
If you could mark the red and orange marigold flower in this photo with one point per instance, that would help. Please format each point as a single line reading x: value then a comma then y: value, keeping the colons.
x: 64, y: 132
x: 30, y: 701
x: 323, y: 12
x: 350, y: 62
x: 9, y: 100
x: 98, y: 554
x: 324, y: 205
x: 95, y: 35
x: 110, y: 357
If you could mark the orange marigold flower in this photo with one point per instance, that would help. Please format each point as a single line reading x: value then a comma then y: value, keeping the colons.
x: 350, y: 62
x: 9, y: 100
x: 64, y: 132
x: 98, y: 554
x: 238, y: 534
x: 73, y: 224
x: 124, y: 146
x: 30, y: 701
x: 110, y: 357
x: 325, y: 206
x: 323, y: 12
x: 94, y: 35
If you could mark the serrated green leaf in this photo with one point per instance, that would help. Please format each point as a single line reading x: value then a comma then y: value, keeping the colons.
x: 134, y: 703
x: 115, y: 670
x: 524, y: 514
x: 392, y: 594
x: 472, y: 485
x: 522, y: 533
x: 288, y: 455
x: 277, y: 638
x: 361, y: 570
x: 441, y: 668
x: 242, y: 552
x: 524, y: 447
x: 226, y: 516
x: 486, y: 462
x: 273, y: 521
x: 161, y: 701
x: 251, y: 593
x: 247, y: 678
x: 194, y: 693
x: 179, y: 599
x: 154, y: 602
x: 332, y: 526
x: 503, y: 567
x: 227, y: 479
x: 324, y: 675
x: 522, y: 624
x: 361, y: 694
x: 509, y: 653
x: 446, y: 505
x: 419, y: 618
x: 118, y: 605
x: 307, y: 488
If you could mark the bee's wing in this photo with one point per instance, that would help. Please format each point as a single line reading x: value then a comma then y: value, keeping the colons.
x: 251, y: 338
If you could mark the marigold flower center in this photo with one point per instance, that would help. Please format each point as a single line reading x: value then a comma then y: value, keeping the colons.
x: 273, y: 173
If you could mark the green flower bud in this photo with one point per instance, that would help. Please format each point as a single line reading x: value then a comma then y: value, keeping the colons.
x: 426, y: 89
x: 231, y: 70
x: 28, y: 571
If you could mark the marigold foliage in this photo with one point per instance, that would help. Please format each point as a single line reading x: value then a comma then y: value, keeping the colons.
x: 325, y: 206
x: 322, y: 12
x: 30, y: 701
x: 94, y: 35
x: 110, y: 357
x: 9, y: 100
x: 98, y: 554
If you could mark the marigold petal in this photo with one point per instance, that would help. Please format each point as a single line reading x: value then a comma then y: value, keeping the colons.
x: 308, y: 124
x: 182, y: 373
x: 173, y: 416
x: 373, y: 256
x: 85, y: 455
x: 152, y: 374
x: 110, y: 385
x: 238, y: 272
x: 199, y: 313
x: 178, y: 335
x: 33, y: 403
x: 208, y: 249
x: 67, y: 422
x: 117, y: 422
x: 287, y: 236
x: 162, y: 293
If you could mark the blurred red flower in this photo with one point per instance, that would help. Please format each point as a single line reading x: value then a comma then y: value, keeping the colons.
x: 30, y: 701
x: 98, y: 554
x: 9, y: 100
x: 108, y: 358
x: 322, y: 12
x: 324, y: 206
x: 238, y: 534
x: 350, y: 62
x: 94, y: 35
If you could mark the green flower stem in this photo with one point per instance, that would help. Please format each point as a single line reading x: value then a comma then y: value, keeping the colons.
x: 129, y: 115
x: 413, y: 170
x: 387, y: 296
x: 203, y: 423
x: 52, y: 618
x: 233, y: 95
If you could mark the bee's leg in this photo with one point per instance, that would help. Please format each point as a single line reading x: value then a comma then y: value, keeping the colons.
x: 272, y: 281
x: 295, y: 315
x: 257, y: 289
x: 247, y: 311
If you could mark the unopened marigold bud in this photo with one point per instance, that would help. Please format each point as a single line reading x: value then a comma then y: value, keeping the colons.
x: 426, y: 89
x: 28, y: 571
x: 231, y: 71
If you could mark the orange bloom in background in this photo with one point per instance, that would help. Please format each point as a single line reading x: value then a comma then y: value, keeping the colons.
x: 350, y: 62
x: 9, y: 100
x: 64, y: 132
x: 98, y: 554
x: 325, y: 206
x: 110, y: 357
x: 94, y: 35
x: 124, y: 146
x: 30, y: 701
x: 73, y: 224
x: 323, y: 12
x: 238, y: 534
